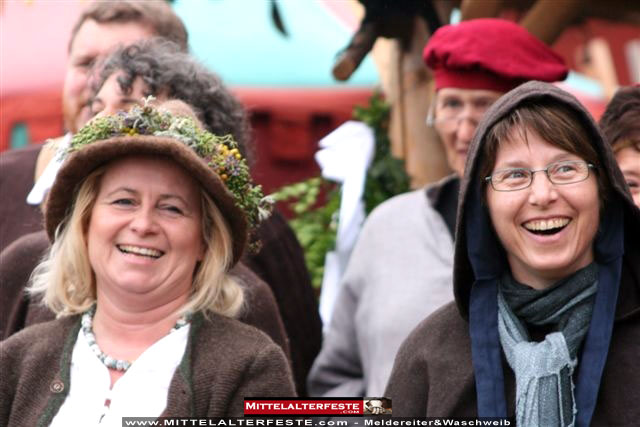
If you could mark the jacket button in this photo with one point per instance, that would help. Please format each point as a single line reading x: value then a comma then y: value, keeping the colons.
x: 56, y: 386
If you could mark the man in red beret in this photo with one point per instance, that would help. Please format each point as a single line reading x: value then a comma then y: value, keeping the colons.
x: 401, y: 268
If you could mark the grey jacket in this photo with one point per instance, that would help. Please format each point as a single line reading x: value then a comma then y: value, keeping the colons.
x: 399, y: 272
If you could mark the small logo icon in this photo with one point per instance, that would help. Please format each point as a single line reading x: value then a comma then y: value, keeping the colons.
x: 377, y: 406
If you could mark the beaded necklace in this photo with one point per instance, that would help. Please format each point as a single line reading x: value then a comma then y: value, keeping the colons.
x: 108, y: 361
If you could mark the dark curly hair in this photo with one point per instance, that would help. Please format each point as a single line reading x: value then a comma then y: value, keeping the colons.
x: 177, y: 75
x: 620, y: 122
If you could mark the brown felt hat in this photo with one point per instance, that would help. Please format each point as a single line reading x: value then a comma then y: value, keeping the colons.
x: 88, y: 156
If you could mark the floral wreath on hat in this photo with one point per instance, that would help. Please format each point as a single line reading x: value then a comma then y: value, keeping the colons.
x: 221, y: 153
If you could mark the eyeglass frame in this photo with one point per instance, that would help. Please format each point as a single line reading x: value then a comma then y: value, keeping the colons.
x: 431, y: 119
x: 546, y: 172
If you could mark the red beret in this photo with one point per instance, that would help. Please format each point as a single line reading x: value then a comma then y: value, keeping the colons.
x: 492, y: 54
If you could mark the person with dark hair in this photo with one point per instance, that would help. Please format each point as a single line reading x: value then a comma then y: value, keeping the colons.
x: 620, y: 125
x: 165, y: 71
x: 147, y: 216
x: 101, y: 27
x: 545, y: 326
x: 400, y: 269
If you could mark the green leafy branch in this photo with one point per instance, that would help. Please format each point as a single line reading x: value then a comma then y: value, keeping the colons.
x: 386, y: 176
x: 316, y: 223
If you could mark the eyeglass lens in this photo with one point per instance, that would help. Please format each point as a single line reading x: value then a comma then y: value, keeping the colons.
x: 453, y: 109
x: 558, y: 173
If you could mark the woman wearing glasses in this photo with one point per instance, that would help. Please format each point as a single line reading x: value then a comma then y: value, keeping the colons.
x: 400, y: 270
x: 545, y: 327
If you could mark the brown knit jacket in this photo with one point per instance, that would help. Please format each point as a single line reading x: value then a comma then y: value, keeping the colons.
x: 17, y: 169
x: 280, y: 263
x: 433, y: 373
x: 224, y: 362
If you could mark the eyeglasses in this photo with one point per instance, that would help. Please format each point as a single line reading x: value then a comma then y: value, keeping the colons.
x: 454, y: 121
x: 451, y: 111
x: 558, y: 173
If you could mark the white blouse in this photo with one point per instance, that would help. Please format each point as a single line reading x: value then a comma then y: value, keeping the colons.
x: 141, y: 392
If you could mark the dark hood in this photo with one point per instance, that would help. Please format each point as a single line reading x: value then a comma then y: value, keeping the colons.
x: 479, y: 262
x: 478, y: 254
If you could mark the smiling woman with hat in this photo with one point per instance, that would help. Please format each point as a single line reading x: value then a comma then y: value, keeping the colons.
x: 545, y: 326
x: 147, y: 215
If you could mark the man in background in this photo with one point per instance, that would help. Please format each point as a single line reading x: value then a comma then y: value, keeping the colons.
x: 101, y: 27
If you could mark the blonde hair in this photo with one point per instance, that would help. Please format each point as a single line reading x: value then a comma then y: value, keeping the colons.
x: 66, y: 282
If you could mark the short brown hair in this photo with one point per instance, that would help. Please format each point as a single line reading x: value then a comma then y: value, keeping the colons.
x: 620, y: 122
x: 553, y: 122
x: 156, y: 14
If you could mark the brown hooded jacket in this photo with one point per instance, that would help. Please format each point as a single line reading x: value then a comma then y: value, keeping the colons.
x: 434, y: 371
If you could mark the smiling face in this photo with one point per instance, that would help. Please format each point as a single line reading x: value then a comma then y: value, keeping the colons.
x: 144, y: 237
x: 92, y: 42
x: 457, y: 113
x: 547, y: 230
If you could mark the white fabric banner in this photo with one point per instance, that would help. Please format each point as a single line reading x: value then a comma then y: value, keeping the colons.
x: 345, y: 155
x: 45, y: 182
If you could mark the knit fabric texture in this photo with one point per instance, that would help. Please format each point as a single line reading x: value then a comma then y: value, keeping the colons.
x: 224, y: 362
x: 544, y: 385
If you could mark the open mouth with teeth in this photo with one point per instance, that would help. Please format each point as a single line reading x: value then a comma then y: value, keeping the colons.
x: 546, y: 227
x: 140, y: 251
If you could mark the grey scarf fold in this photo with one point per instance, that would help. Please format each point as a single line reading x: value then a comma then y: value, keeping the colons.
x: 543, y: 370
